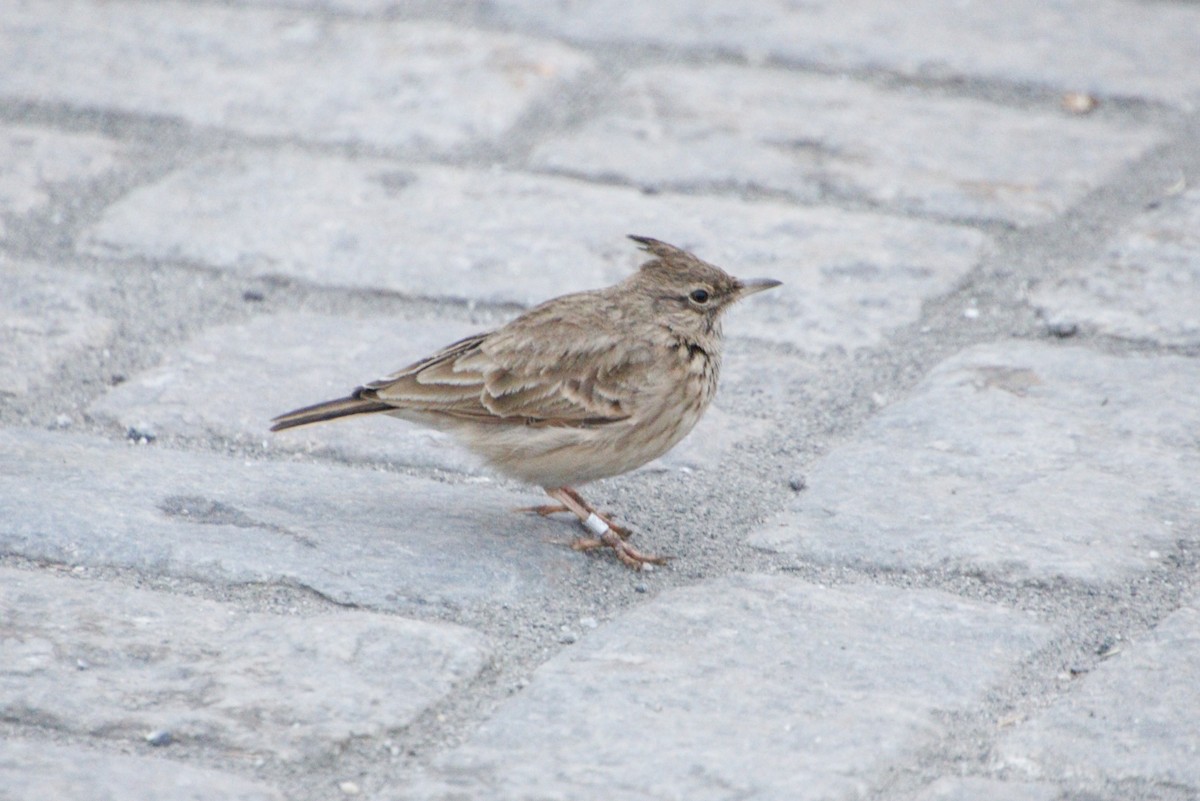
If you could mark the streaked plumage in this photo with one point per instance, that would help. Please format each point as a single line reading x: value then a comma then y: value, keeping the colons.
x: 582, y: 387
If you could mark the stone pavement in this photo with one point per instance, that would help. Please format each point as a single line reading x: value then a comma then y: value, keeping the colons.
x: 939, y: 538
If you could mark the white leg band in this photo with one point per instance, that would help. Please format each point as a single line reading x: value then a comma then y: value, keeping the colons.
x: 596, y: 524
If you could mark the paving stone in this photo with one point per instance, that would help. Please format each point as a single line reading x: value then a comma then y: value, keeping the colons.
x: 359, y: 536
x: 46, y: 317
x: 955, y: 158
x: 1137, y: 715
x: 499, y: 237
x: 364, y: 7
x: 33, y: 160
x: 232, y: 379
x: 107, y: 660
x: 33, y: 770
x: 1015, y: 461
x: 1147, y: 286
x: 214, y: 386
x: 748, y: 686
x: 1105, y: 46
x: 266, y: 72
x: 977, y: 789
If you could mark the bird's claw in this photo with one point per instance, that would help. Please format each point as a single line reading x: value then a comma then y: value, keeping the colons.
x: 629, y: 556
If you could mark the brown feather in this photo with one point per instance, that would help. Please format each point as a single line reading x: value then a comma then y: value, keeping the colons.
x: 329, y: 410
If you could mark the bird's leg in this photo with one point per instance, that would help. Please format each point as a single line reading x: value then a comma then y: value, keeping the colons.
x: 556, y: 508
x: 544, y: 511
x: 605, y: 517
x: 606, y: 535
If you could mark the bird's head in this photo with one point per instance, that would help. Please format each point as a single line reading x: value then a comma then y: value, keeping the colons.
x: 688, y: 293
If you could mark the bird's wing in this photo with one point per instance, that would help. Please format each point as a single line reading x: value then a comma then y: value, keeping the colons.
x: 524, y: 373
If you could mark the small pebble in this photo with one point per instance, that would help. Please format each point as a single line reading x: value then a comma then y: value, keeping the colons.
x: 1079, y: 103
x: 640, y: 587
x: 568, y: 637
x: 141, y: 437
x: 1063, y: 330
x: 159, y: 738
x: 63, y: 421
x: 349, y: 788
x: 588, y: 622
x: 797, y: 483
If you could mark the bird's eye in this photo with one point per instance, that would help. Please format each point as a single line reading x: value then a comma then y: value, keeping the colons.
x: 699, y: 296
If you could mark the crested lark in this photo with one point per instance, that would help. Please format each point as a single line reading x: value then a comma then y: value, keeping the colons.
x: 582, y: 387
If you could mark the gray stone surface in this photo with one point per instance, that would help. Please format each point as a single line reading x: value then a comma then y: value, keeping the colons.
x: 1107, y: 46
x: 214, y: 386
x: 32, y: 770
x: 1136, y: 716
x: 94, y: 658
x: 46, y: 316
x: 232, y: 379
x: 1147, y: 286
x: 416, y: 86
x: 358, y: 536
x: 34, y: 160
x: 745, y: 687
x: 850, y: 277
x: 1017, y: 461
x: 977, y: 789
x: 807, y: 135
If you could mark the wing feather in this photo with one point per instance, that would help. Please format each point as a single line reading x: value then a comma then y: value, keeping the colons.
x: 519, y: 375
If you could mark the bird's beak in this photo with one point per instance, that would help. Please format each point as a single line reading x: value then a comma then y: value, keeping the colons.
x: 754, y: 285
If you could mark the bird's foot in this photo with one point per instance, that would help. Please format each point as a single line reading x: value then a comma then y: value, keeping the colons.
x: 607, y: 533
x: 629, y: 556
x: 557, y: 508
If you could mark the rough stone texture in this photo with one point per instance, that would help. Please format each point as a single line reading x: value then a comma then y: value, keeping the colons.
x: 213, y: 386
x: 743, y: 687
x: 975, y: 789
x: 850, y: 277
x: 1147, y: 286
x: 358, y: 536
x: 100, y: 659
x: 806, y: 135
x: 45, y: 317
x: 232, y: 379
x: 1137, y: 715
x: 33, y: 770
x: 1106, y: 46
x: 1017, y: 461
x: 420, y: 87
x: 33, y: 160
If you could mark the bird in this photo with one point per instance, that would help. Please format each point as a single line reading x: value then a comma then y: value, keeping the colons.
x: 585, y: 386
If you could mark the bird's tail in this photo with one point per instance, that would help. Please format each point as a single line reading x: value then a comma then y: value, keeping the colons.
x: 329, y: 410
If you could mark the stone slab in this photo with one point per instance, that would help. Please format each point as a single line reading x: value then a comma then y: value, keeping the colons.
x: 213, y: 386
x: 32, y: 770
x: 748, y: 686
x: 46, y: 317
x: 277, y: 73
x: 232, y: 379
x: 499, y: 237
x: 1136, y: 716
x: 1017, y: 461
x: 1146, y: 286
x: 980, y: 789
x: 34, y: 160
x: 1110, y: 47
x: 684, y: 127
x: 110, y: 661
x: 360, y: 536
